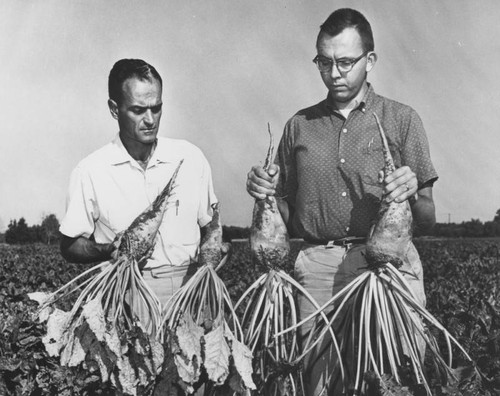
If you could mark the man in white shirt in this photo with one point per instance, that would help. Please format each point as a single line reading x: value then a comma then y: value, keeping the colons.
x: 113, y: 185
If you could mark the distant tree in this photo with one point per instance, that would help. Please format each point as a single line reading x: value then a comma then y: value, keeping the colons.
x: 496, y: 219
x: 492, y: 228
x: 36, y: 233
x: 18, y: 232
x: 449, y: 230
x: 474, y: 228
x: 233, y: 232
x: 50, y: 229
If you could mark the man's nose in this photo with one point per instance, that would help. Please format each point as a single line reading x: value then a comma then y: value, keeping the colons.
x: 335, y: 71
x: 148, y: 117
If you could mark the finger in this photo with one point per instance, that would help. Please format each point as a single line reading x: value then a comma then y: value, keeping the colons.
x: 273, y: 170
x: 260, y: 187
x: 402, y: 192
x: 261, y: 183
x: 222, y: 262
x: 403, y: 172
x: 226, y: 248
x: 112, y: 250
x: 400, y: 185
x: 406, y: 191
x: 258, y: 172
x: 381, y: 176
x: 257, y: 191
x: 397, y: 179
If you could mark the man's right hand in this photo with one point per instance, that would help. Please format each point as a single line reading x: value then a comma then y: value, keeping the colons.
x: 83, y: 250
x: 115, y: 245
x: 260, y: 183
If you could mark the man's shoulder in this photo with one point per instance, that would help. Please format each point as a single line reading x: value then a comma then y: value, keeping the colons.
x: 317, y: 111
x: 392, y: 105
x: 179, y: 147
x: 98, y: 158
x: 174, y: 150
x: 319, y: 108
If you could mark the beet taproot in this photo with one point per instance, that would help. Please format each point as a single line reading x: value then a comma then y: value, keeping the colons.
x: 269, y: 240
x: 391, y: 234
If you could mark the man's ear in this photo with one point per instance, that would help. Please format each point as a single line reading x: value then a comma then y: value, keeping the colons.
x: 113, y: 108
x: 371, y: 60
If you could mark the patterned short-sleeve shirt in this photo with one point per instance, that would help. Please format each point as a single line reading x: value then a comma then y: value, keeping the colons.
x: 329, y: 164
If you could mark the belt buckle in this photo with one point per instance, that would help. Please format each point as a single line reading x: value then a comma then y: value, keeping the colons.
x: 347, y: 242
x: 342, y: 242
x: 330, y: 245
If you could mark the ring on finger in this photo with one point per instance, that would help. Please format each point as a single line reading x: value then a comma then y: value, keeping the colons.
x: 407, y: 187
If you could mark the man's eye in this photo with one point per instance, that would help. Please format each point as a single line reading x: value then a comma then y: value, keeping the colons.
x: 325, y: 62
x: 344, y: 63
x: 156, y: 109
x: 138, y: 110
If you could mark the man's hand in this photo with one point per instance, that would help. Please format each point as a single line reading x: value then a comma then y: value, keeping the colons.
x: 260, y: 183
x: 83, y: 250
x: 115, y: 245
x: 400, y: 185
x: 226, y: 250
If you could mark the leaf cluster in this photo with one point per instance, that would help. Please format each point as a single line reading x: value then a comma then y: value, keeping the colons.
x: 462, y: 284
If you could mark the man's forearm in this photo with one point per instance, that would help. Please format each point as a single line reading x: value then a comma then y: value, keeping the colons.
x: 285, y: 212
x: 83, y: 250
x: 424, y: 213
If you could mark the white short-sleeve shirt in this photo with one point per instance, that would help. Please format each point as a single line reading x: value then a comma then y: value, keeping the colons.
x: 109, y: 189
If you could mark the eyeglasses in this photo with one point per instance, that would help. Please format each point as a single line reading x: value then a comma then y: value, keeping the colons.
x: 344, y: 65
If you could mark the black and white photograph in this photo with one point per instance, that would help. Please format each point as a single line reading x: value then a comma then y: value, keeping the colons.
x: 229, y: 197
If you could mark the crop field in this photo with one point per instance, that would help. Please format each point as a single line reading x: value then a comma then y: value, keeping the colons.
x: 462, y: 279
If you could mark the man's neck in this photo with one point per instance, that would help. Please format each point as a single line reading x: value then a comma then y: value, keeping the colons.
x: 141, y: 152
x: 346, y: 107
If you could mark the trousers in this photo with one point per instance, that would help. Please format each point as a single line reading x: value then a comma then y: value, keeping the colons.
x: 164, y: 281
x: 323, y: 272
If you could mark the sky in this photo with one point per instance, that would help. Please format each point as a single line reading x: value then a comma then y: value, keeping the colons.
x: 229, y: 67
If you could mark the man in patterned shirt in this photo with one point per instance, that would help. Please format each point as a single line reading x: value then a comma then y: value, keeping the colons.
x: 327, y: 172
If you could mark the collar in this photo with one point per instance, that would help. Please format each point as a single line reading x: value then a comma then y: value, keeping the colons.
x: 119, y: 154
x: 366, y: 101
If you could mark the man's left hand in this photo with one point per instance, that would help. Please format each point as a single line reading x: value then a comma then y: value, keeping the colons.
x: 400, y: 185
x: 226, y: 250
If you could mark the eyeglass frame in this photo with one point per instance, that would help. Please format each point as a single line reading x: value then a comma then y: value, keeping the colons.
x: 352, y: 62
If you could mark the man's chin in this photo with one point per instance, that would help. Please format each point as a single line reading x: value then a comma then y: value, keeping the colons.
x: 149, y: 137
x: 339, y: 90
x: 340, y: 97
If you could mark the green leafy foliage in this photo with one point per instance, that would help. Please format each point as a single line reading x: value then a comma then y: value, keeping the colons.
x: 462, y: 280
x: 25, y: 366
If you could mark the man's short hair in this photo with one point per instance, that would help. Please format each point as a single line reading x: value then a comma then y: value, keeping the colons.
x: 129, y: 68
x: 348, y: 18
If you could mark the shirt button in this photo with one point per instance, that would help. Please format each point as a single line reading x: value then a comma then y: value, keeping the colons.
x: 344, y: 194
x: 347, y: 229
x: 344, y: 130
x: 342, y: 160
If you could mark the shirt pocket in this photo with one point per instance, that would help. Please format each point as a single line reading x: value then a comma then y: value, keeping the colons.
x: 372, y: 163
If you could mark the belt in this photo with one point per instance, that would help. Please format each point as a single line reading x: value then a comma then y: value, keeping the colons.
x: 167, y: 271
x: 337, y: 242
